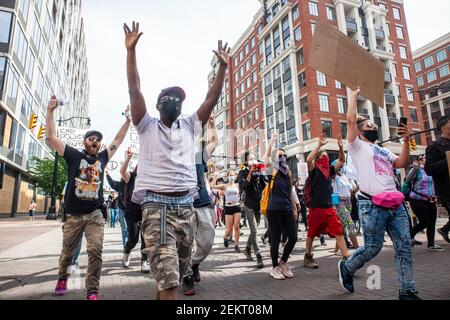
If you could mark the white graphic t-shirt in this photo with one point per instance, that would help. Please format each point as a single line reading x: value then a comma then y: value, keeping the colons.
x: 375, y: 166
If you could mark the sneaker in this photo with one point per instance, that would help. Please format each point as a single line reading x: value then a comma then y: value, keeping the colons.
x: 264, y: 241
x: 436, y: 248
x: 309, y: 262
x: 277, y: 274
x: 92, y: 296
x: 145, y: 267
x: 188, y: 286
x: 259, y: 261
x: 74, y: 268
x: 248, y: 253
x: 126, y: 260
x: 322, y: 241
x: 61, y: 287
x: 241, y: 233
x: 443, y: 234
x: 345, y: 278
x: 416, y: 242
x: 226, y: 242
x: 408, y: 295
x: 236, y: 248
x: 286, y: 270
x: 196, y: 272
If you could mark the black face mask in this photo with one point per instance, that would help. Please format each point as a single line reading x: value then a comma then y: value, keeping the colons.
x: 170, y: 110
x: 371, y: 135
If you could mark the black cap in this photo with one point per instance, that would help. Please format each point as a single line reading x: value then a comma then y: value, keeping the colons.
x: 442, y: 122
x: 93, y: 133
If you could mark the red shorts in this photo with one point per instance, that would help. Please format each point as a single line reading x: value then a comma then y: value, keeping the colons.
x: 323, y: 220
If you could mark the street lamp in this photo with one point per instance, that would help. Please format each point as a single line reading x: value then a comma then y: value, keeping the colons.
x: 52, y: 209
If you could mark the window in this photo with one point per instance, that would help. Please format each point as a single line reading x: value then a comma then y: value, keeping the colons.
x: 236, y: 92
x: 268, y: 43
x: 338, y: 85
x: 241, y: 71
x: 344, y: 130
x: 321, y: 79
x: 399, y: 32
x: 313, y: 9
x: 254, y: 76
x: 253, y: 59
x: 406, y: 73
x: 298, y: 34
x: 13, y: 87
x: 403, y: 53
x: 20, y: 46
x: 241, y: 55
x: 396, y: 12
x: 249, y: 118
x: 23, y: 8
x: 324, y: 105
x: 255, y: 95
x: 418, y: 66
x: 256, y: 115
x: 247, y: 65
x: 260, y: 48
x: 2, y: 73
x: 431, y: 76
x: 304, y: 105
x: 246, y: 48
x: 295, y: 13
x: 276, y: 42
x: 286, y: 32
x: 302, y: 80
x: 307, y: 131
x: 441, y: 55
x: 236, y: 76
x: 253, y: 42
x: 413, y: 114
x: 242, y: 88
x: 326, y: 128
x: 331, y: 15
x: 236, y: 61
x: 420, y: 81
x: 444, y: 71
x: 5, y: 26
x: 247, y: 83
x: 410, y: 93
x: 19, y: 145
x: 300, y: 57
x: 428, y: 61
x: 418, y: 138
x: 313, y: 27
x: 342, y: 105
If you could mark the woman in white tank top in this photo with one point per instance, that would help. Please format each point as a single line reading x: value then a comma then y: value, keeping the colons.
x: 232, y: 208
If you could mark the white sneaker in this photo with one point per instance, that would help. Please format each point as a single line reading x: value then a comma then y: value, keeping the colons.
x: 126, y: 260
x: 286, y: 270
x: 73, y: 268
x: 277, y: 274
x: 436, y: 248
x: 145, y: 267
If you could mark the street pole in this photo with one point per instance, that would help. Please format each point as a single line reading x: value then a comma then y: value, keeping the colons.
x: 52, y: 210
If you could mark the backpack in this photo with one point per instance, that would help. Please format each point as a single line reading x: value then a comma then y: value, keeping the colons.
x: 409, y: 181
x: 307, y: 192
x: 264, y: 203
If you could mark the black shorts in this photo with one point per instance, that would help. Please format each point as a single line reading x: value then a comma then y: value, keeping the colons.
x: 31, y: 213
x: 229, y: 211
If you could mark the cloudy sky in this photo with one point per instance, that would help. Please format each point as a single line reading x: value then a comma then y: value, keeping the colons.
x: 176, y: 47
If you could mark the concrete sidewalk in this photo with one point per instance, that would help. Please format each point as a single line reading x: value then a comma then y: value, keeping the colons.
x: 29, y: 271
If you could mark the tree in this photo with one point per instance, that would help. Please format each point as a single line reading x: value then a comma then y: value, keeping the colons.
x: 42, y: 175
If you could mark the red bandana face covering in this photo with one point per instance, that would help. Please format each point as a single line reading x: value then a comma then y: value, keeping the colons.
x: 323, y: 164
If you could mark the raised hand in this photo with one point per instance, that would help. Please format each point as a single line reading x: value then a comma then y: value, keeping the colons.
x: 132, y: 36
x: 211, y: 121
x: 223, y: 53
x: 128, y: 113
x: 404, y: 132
x: 129, y: 153
x: 339, y: 142
x: 356, y: 93
x: 52, y: 104
x: 323, y: 140
x: 274, y: 138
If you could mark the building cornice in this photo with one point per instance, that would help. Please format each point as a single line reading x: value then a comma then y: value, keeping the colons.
x: 432, y: 46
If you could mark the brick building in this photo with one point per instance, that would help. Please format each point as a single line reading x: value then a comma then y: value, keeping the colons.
x: 270, y: 87
x: 42, y: 52
x: 431, y: 63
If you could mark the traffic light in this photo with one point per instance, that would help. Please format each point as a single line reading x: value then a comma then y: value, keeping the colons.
x: 33, y: 121
x: 413, y: 144
x: 41, y: 132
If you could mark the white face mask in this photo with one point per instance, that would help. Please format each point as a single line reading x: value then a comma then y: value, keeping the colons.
x: 231, y: 179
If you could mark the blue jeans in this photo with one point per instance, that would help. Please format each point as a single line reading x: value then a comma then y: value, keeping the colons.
x: 123, y: 225
x: 376, y: 221
x: 76, y: 255
x: 112, y: 217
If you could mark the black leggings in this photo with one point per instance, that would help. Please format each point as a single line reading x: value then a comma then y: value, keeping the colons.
x: 133, y: 218
x: 426, y: 212
x: 277, y: 221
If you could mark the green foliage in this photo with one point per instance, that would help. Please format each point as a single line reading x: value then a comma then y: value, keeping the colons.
x: 42, y: 175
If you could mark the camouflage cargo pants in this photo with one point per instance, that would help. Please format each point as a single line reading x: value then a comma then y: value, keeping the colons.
x: 168, y: 258
x: 92, y: 225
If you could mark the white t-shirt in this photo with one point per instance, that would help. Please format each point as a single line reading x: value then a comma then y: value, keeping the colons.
x: 375, y: 166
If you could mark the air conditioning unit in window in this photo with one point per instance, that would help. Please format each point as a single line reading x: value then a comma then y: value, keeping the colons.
x: 269, y: 61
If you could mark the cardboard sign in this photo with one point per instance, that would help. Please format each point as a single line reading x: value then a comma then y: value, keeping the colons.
x: 336, y: 55
x: 72, y: 137
x: 302, y: 168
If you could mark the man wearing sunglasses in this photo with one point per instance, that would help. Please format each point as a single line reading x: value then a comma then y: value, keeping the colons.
x: 83, y: 199
x: 166, y: 183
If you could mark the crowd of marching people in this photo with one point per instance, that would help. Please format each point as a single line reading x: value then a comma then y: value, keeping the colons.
x: 172, y: 202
